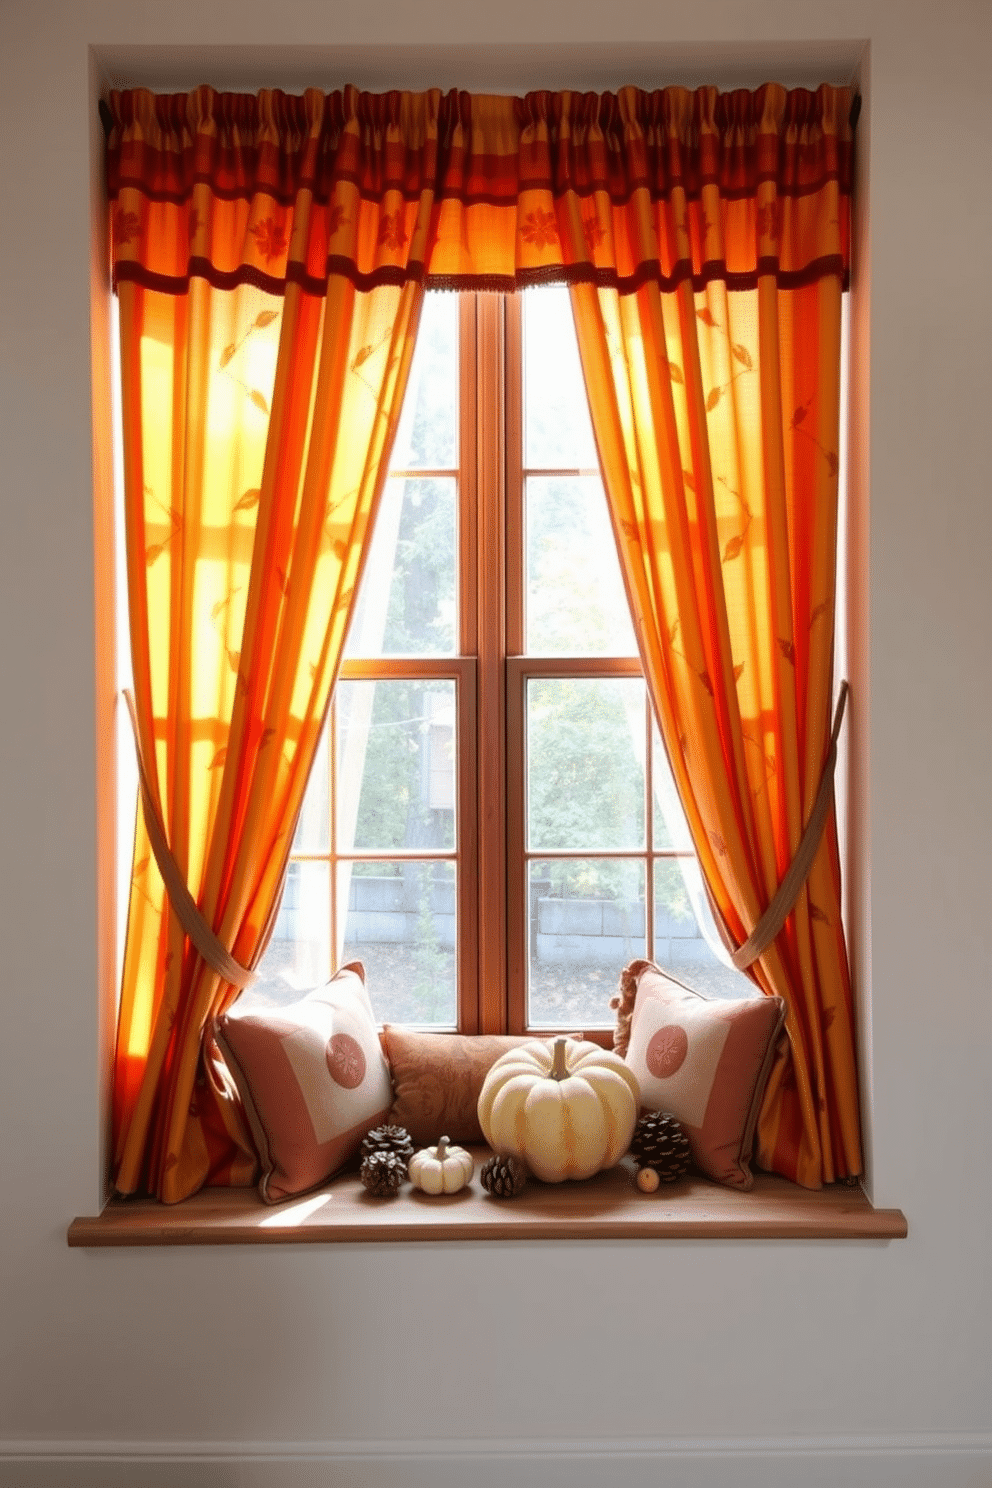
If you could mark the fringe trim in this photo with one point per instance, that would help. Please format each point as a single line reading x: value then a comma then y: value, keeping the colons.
x: 623, y: 1004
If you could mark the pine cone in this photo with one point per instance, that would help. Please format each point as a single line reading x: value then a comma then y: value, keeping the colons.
x: 659, y: 1142
x: 503, y: 1177
x: 395, y: 1139
x: 382, y: 1173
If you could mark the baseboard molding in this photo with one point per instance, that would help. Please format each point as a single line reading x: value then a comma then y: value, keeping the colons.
x: 918, y: 1460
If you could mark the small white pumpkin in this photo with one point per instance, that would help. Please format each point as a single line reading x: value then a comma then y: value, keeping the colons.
x: 568, y: 1110
x: 441, y: 1169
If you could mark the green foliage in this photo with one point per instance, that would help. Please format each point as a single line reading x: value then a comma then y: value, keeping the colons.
x: 586, y: 780
x: 433, y: 968
x: 421, y: 613
x: 576, y: 604
x: 393, y: 810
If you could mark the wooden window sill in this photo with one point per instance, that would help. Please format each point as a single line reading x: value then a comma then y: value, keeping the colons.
x: 607, y: 1207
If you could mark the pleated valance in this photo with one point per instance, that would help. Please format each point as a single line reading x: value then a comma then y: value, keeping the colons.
x: 462, y: 191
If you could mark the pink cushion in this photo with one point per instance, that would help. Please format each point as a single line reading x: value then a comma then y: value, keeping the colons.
x: 706, y: 1060
x: 313, y: 1080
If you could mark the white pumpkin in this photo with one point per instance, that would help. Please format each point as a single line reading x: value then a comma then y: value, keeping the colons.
x: 568, y: 1108
x: 441, y: 1169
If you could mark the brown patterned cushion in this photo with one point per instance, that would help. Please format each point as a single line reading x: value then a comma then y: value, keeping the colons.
x: 706, y: 1060
x: 312, y: 1078
x: 437, y: 1078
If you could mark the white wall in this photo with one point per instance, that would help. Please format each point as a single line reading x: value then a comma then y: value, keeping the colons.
x: 839, y: 1363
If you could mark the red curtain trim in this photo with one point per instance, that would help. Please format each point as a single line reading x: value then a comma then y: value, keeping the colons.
x: 715, y: 271
x: 506, y: 199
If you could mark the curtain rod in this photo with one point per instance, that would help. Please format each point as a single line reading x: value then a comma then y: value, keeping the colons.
x: 107, y: 118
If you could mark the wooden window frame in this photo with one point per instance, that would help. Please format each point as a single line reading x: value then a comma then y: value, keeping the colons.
x: 490, y: 672
x: 462, y: 670
x: 478, y: 673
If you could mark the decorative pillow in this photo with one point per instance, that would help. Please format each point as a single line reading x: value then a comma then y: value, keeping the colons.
x: 312, y: 1078
x: 437, y: 1078
x: 704, y: 1059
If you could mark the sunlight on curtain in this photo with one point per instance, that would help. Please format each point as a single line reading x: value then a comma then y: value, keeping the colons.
x: 270, y: 255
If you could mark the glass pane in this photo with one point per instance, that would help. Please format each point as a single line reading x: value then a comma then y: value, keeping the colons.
x: 399, y: 920
x: 585, y: 763
x: 407, y: 600
x: 298, y: 956
x: 395, y: 765
x: 314, y: 826
x: 427, y: 437
x: 585, y: 922
x: 686, y: 941
x: 575, y: 600
x: 557, y: 430
x: 671, y: 831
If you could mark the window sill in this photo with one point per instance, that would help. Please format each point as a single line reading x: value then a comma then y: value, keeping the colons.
x: 607, y: 1207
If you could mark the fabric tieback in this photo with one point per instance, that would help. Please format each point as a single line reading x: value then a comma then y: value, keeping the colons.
x: 798, y: 871
x: 186, y: 909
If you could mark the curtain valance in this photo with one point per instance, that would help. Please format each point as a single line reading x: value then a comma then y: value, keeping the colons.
x: 464, y: 191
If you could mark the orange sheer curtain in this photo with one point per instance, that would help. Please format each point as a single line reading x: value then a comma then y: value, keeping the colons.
x: 259, y: 411
x: 714, y: 389
x: 270, y: 254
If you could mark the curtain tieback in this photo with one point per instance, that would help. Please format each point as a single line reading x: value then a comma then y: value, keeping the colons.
x: 797, y: 873
x: 186, y: 909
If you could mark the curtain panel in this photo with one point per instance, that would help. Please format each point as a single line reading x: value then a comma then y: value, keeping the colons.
x: 716, y: 417
x: 257, y: 432
x: 706, y: 240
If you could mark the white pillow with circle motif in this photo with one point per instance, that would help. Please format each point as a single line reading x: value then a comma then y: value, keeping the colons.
x: 313, y: 1080
x: 705, y: 1060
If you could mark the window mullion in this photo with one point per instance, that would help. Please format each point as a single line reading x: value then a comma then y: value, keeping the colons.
x: 490, y: 558
x: 467, y: 591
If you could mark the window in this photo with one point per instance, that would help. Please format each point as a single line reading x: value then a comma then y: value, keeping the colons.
x: 491, y: 825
